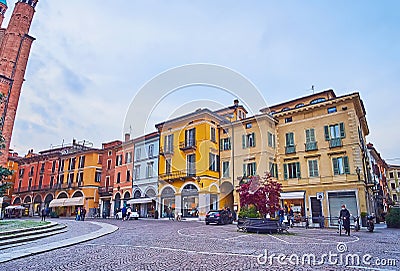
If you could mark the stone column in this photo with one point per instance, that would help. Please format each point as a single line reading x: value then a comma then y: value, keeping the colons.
x: 204, y: 204
x: 178, y: 203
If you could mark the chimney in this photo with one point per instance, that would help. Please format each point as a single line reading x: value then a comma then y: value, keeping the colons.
x: 127, y: 136
x: 236, y: 102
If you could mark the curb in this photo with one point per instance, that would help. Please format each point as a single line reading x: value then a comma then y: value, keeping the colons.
x: 105, y: 229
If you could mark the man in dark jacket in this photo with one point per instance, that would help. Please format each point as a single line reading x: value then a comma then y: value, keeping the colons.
x: 344, y: 215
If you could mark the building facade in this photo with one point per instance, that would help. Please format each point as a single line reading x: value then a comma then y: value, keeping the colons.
x: 320, y: 156
x: 15, y: 45
x: 145, y: 175
x: 59, y: 179
x: 394, y: 184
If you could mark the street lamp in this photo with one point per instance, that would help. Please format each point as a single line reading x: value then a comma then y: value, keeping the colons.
x: 358, y: 171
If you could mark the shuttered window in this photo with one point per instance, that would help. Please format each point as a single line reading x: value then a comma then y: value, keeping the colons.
x: 340, y: 165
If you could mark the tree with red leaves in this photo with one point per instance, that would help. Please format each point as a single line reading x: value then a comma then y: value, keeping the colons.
x: 262, y: 192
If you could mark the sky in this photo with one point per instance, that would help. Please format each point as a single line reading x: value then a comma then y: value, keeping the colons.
x: 90, y: 58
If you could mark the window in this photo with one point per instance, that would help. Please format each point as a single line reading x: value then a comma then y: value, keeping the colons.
x: 109, y: 153
x: 394, y: 197
x: 137, y: 172
x: 289, y: 119
x: 109, y: 164
x: 81, y: 163
x: 249, y: 169
x: 53, y: 166
x: 225, y: 169
x: 151, y: 150
x: 291, y: 170
x: 318, y: 100
x: 42, y: 168
x: 97, y: 176
x: 190, y: 137
x: 299, y: 105
x: 398, y: 174
x: 334, y: 134
x: 71, y: 165
x: 248, y: 140
x: 191, y: 165
x: 118, y: 160
x: 273, y: 169
x: 311, y: 144
x: 138, y: 154
x: 248, y: 125
x: 118, y: 177
x: 332, y: 110
x: 285, y: 109
x: 21, y: 172
x: 168, y: 166
x: 341, y: 165
x: 271, y: 140
x: 391, y: 175
x: 213, y: 162
x: 79, y: 178
x: 128, y: 175
x: 51, y: 182
x: 313, y: 168
x: 128, y: 157
x: 393, y: 186
x: 31, y: 171
x: 30, y: 184
x: 61, y: 165
x: 107, y: 181
x: 61, y: 178
x: 290, y: 147
x: 40, y: 182
x: 149, y: 169
x: 70, y: 178
x: 213, y: 136
x: 169, y: 143
x: 225, y: 144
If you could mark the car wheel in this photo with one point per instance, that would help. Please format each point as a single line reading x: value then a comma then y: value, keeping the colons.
x: 136, y: 218
x: 207, y: 223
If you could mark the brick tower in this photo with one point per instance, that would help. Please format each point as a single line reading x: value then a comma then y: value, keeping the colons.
x: 15, y: 45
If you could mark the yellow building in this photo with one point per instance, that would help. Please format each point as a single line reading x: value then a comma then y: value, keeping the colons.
x: 189, y: 164
x: 321, y: 154
x: 247, y: 148
x: 79, y: 177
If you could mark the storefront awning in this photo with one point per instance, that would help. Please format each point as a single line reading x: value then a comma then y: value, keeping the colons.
x: 292, y: 195
x: 140, y: 200
x: 66, y: 202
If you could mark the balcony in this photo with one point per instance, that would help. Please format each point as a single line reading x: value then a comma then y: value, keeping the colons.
x: 311, y: 146
x: 177, y: 175
x: 290, y: 149
x: 165, y: 151
x: 105, y: 191
x: 335, y: 142
x: 189, y: 145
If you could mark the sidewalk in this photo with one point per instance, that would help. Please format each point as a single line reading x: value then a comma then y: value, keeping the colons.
x: 78, y: 232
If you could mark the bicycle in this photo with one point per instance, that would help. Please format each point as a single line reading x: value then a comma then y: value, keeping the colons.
x: 179, y: 217
x: 340, y: 226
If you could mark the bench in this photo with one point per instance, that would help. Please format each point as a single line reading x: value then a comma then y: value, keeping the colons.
x: 259, y: 225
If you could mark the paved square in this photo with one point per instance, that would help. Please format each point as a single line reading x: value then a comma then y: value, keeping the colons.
x: 169, y: 245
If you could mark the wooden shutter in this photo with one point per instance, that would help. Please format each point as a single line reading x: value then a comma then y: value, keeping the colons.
x: 341, y: 128
x: 254, y: 139
x: 244, y: 170
x: 285, y: 171
x: 346, y: 165
x: 298, y: 173
x: 335, y: 166
x: 326, y: 129
x: 308, y: 139
x: 244, y: 141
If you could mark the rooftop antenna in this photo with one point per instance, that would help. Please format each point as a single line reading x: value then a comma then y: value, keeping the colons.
x: 312, y: 88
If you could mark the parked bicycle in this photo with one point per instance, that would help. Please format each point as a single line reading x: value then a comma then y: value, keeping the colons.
x: 340, y: 226
x: 179, y: 217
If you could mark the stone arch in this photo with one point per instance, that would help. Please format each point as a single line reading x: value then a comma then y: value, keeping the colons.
x: 137, y: 194
x: 127, y: 195
x: 77, y: 194
x: 37, y: 199
x: 17, y: 200
x: 214, y: 188
x: 117, y: 202
x: 62, y: 195
x: 190, y: 200
x: 166, y: 190
x: 150, y: 192
x: 28, y: 199
x: 226, y: 195
x: 48, y: 198
x: 186, y: 184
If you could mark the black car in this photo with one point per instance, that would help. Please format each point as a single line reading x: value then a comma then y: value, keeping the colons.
x: 219, y: 217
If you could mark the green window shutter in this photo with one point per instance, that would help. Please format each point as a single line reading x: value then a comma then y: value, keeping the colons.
x: 218, y: 167
x: 276, y: 171
x: 254, y: 139
x: 221, y: 145
x: 298, y: 173
x: 244, y: 141
x: 244, y: 170
x: 346, y: 165
x: 335, y: 166
x: 273, y: 141
x: 312, y: 135
x: 285, y: 171
x: 310, y: 168
x: 341, y: 128
x: 308, y: 139
x: 269, y: 139
x: 326, y: 129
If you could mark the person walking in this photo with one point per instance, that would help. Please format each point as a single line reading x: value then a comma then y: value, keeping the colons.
x: 44, y: 213
x: 83, y: 214
x: 124, y: 210
x: 344, y: 215
x: 281, y: 214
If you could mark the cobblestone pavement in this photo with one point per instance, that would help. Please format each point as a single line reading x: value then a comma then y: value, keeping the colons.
x: 170, y: 245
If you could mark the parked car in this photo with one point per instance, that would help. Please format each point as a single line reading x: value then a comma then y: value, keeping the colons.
x: 219, y: 217
x: 133, y: 215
